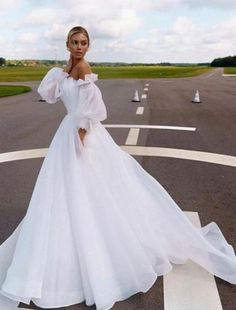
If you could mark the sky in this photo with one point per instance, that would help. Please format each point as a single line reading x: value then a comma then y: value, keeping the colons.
x: 145, y: 31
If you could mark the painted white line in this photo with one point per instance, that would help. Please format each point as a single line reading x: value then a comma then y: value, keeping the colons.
x: 132, y: 136
x: 147, y: 84
x: 139, y: 110
x: 144, y: 96
x: 25, y: 154
x: 25, y: 309
x: 149, y: 127
x: 213, y: 158
x: 145, y: 89
x: 233, y: 75
x: 190, y: 286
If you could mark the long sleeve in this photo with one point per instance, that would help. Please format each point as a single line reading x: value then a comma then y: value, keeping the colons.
x: 91, y: 107
x: 49, y: 88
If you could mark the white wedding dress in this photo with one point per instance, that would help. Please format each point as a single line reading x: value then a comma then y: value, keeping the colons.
x: 98, y: 227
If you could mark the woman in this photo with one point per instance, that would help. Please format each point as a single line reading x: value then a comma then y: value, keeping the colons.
x: 98, y: 227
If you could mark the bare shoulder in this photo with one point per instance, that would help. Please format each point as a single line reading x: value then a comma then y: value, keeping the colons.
x: 81, y: 69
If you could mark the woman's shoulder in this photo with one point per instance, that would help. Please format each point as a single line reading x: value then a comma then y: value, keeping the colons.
x: 82, y: 69
x: 83, y: 64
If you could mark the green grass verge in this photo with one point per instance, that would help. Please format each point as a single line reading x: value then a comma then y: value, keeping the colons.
x: 10, y: 74
x: 230, y: 70
x: 11, y: 90
x: 148, y: 72
x: 18, y: 74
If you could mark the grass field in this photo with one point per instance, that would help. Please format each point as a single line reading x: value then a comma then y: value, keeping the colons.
x: 230, y: 70
x: 15, y: 74
x: 19, y: 74
x: 148, y: 72
x: 11, y: 90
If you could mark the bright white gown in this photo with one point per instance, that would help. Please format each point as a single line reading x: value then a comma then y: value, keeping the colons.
x: 98, y: 227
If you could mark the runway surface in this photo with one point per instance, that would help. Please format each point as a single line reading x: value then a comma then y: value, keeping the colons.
x: 190, y: 148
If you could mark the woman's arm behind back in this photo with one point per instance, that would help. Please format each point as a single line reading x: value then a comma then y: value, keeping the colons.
x: 79, y: 72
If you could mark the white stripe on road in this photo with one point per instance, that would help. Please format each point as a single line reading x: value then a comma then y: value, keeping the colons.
x: 147, y: 84
x: 132, y: 136
x: 25, y: 154
x: 213, y: 158
x: 149, y: 126
x: 190, y: 286
x: 144, y: 96
x: 139, y: 110
x: 145, y: 89
x: 233, y: 75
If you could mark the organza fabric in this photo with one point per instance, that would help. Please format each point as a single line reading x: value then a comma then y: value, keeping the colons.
x: 98, y: 227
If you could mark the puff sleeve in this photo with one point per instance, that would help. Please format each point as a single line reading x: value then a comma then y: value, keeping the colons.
x: 91, y: 108
x: 49, y: 88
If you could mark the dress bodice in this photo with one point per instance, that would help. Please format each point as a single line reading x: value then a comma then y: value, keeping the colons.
x: 82, y: 98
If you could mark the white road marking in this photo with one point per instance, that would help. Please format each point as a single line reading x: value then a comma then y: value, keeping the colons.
x: 213, y: 158
x: 145, y: 89
x: 139, y: 110
x: 24, y: 154
x: 233, y: 75
x: 149, y: 126
x: 132, y: 136
x: 190, y: 286
x: 147, y: 84
x: 144, y: 96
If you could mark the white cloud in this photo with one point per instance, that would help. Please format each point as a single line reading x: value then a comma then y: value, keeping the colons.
x: 120, y: 30
x: 210, y: 4
x: 5, y: 6
x: 2, y: 39
x: 28, y: 38
x: 121, y: 25
x: 196, y: 4
x: 184, y: 41
x: 39, y: 17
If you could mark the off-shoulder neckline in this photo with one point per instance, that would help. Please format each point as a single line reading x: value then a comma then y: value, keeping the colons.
x: 87, y: 77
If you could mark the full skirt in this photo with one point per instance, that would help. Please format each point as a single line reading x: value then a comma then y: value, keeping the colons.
x: 99, y: 229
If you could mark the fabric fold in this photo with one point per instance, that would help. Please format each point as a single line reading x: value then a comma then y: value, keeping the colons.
x: 98, y: 228
x: 49, y: 88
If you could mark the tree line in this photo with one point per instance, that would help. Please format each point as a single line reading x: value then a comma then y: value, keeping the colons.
x: 229, y: 61
x: 49, y: 62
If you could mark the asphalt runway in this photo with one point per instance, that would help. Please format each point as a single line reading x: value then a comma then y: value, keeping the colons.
x: 199, y: 186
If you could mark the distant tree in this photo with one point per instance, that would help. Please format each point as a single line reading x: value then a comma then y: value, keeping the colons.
x: 203, y: 64
x: 229, y: 61
x: 164, y: 64
x: 2, y: 61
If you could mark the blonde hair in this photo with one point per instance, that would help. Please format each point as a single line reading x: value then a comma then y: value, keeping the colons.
x: 77, y: 29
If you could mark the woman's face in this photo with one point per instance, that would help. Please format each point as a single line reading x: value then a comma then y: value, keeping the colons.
x: 78, y: 45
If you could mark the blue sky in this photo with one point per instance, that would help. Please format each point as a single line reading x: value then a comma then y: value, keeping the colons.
x: 128, y: 30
